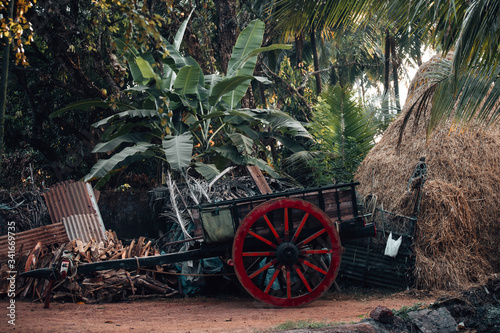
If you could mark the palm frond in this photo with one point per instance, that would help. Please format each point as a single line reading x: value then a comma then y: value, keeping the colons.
x: 172, y: 188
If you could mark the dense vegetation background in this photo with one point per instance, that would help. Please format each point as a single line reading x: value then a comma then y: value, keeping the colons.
x: 123, y: 92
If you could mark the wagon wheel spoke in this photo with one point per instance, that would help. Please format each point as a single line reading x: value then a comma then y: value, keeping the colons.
x: 286, y: 252
x: 265, y: 240
x: 324, y: 251
x: 263, y: 268
x: 287, y: 226
x: 300, y: 227
x: 312, y: 237
x: 302, y: 278
x: 275, y: 275
x: 316, y: 268
x: 273, y: 230
x: 258, y: 254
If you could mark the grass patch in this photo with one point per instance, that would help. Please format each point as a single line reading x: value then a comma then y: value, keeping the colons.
x: 303, y: 324
x: 403, y: 312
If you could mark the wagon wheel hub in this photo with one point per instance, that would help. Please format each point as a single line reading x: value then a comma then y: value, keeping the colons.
x: 287, y: 253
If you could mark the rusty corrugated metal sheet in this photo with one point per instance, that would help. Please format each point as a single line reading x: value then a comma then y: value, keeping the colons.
x: 47, y: 234
x: 85, y: 226
x: 66, y: 199
x: 69, y: 201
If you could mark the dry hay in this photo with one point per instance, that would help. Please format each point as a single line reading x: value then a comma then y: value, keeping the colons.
x: 457, y: 237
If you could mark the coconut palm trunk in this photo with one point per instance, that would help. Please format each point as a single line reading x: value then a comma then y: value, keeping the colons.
x: 387, y: 56
x: 395, y: 79
x: 316, y: 61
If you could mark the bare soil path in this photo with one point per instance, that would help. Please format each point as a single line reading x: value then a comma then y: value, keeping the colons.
x: 199, y: 314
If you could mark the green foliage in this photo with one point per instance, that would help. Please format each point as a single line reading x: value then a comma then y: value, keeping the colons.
x: 135, y: 20
x: 294, y: 77
x: 403, y: 312
x: 344, y: 133
x: 469, y: 82
x: 188, y: 117
x: 304, y: 324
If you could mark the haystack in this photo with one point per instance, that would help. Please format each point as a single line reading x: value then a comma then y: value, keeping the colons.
x: 457, y: 236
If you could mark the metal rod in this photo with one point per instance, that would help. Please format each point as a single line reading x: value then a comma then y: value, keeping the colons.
x: 182, y: 241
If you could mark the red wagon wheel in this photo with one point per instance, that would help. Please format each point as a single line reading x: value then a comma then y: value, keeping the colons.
x: 286, y: 252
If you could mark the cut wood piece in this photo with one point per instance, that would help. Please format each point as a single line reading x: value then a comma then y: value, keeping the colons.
x: 259, y: 179
x: 70, y: 246
x: 131, y: 247
x: 101, y: 249
x: 152, y: 284
x: 86, y: 247
x: 88, y: 256
x: 131, y: 282
x: 138, y: 249
x: 79, y: 246
x: 117, y: 255
x: 94, y: 251
x: 33, y: 257
x: 145, y: 249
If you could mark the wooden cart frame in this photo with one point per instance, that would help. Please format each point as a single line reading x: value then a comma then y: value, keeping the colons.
x: 285, y: 247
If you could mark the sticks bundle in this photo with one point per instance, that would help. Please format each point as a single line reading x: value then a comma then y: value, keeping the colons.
x: 103, y: 286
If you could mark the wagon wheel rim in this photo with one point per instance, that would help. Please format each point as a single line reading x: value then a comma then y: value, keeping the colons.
x: 286, y: 252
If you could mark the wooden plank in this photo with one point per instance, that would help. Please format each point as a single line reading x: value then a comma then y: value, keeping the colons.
x: 259, y: 179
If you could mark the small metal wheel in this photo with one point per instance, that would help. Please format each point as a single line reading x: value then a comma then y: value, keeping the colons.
x: 286, y: 252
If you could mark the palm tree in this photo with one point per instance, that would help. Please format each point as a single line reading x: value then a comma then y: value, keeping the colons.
x: 297, y: 18
x: 469, y: 27
x: 470, y: 81
x: 344, y: 131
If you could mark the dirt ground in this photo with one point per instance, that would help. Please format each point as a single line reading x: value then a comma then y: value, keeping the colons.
x: 201, y: 314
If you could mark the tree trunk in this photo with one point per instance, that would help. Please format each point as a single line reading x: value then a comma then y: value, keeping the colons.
x: 316, y: 61
x: 387, y: 56
x: 226, y: 11
x: 194, y: 49
x: 4, y: 83
x: 299, y: 50
x: 395, y: 80
x: 363, y: 92
x: 248, y: 101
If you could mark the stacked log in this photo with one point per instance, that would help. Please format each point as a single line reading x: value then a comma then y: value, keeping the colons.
x: 102, y: 286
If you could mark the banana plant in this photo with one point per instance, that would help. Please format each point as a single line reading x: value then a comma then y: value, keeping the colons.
x: 187, y: 113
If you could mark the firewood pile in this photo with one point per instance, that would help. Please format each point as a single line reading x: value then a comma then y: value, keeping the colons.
x: 101, y: 286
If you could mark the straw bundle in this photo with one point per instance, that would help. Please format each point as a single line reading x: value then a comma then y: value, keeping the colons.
x: 457, y: 237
